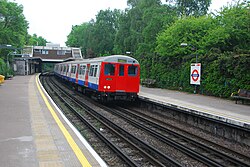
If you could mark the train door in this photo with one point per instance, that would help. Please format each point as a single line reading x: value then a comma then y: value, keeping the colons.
x: 87, y: 75
x: 81, y: 74
x: 93, y: 79
x: 77, y: 72
x: 133, y: 79
x: 69, y: 71
x: 121, y: 80
x: 109, y: 78
x: 73, y: 73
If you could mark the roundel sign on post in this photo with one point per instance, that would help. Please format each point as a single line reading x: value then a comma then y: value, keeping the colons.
x: 195, y: 73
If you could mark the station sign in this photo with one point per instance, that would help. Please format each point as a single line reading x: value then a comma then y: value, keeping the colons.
x: 195, y: 74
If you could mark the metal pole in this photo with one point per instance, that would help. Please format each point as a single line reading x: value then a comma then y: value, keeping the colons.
x: 196, y: 60
x: 8, y: 60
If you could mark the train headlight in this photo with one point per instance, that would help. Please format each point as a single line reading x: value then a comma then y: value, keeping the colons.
x: 108, y: 87
x: 105, y: 87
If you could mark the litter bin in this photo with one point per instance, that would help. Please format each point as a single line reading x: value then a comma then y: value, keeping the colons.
x: 1, y: 79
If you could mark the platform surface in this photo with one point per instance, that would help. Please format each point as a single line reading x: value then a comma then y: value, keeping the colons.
x: 218, y: 108
x: 29, y: 134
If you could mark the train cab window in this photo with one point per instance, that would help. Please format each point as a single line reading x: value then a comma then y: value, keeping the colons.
x: 121, y: 70
x: 109, y: 69
x: 132, y: 70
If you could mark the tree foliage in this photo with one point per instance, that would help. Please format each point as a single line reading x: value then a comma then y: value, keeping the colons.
x: 96, y: 37
x: 34, y: 40
x: 191, y: 7
x: 13, y: 25
x: 222, y: 43
x: 14, y: 31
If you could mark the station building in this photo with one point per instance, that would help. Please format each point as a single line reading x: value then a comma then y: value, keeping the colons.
x: 33, y: 57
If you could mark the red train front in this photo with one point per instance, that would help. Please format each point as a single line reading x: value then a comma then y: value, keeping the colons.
x: 119, y: 78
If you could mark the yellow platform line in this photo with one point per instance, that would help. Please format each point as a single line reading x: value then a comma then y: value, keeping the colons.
x: 68, y: 137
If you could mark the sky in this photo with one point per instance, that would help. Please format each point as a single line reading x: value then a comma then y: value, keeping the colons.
x: 53, y: 19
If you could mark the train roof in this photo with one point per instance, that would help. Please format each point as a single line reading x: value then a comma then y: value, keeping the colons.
x: 113, y: 58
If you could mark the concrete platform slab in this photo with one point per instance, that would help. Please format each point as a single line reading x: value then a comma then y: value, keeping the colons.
x: 29, y: 133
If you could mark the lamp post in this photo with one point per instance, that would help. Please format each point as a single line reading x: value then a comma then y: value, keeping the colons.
x: 10, y: 53
x: 195, y: 69
x: 193, y: 48
x: 8, y: 46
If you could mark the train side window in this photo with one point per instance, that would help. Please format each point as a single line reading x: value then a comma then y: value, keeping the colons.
x: 73, y: 69
x: 67, y: 68
x: 82, y: 70
x: 132, y: 70
x: 91, y: 71
x: 95, y: 70
x: 109, y: 69
x: 121, y: 70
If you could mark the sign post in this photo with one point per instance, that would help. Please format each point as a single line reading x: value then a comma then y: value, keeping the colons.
x: 195, y: 74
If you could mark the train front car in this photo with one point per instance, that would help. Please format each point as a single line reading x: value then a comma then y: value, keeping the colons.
x: 119, y: 78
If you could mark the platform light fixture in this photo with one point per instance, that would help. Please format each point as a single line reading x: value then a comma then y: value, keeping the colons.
x: 184, y: 44
x: 1, y: 17
x: 193, y: 48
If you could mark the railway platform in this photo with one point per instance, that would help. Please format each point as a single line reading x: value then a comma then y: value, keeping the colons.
x: 212, y: 107
x: 33, y: 132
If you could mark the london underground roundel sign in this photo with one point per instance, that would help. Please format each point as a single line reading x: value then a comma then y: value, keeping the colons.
x: 195, y: 73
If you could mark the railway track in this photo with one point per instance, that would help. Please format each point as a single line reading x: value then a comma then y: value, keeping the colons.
x: 137, y: 152
x: 132, y: 150
x: 205, y: 151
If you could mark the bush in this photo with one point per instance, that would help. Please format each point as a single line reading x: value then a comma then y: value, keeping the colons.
x: 3, y: 68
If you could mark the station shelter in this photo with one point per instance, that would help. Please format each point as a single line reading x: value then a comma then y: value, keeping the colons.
x: 33, y: 57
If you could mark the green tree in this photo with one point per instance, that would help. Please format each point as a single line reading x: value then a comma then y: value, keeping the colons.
x: 191, y: 7
x: 133, y: 23
x: 222, y: 43
x: 96, y: 38
x: 189, y: 30
x: 106, y: 26
x: 3, y: 67
x: 34, y: 40
x: 80, y: 36
x: 232, y: 32
x: 13, y: 30
x: 13, y: 25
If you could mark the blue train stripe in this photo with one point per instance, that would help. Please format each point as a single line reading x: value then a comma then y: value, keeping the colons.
x: 80, y: 82
x: 93, y: 86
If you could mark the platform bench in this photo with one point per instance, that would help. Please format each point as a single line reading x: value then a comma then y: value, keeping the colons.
x: 148, y: 82
x: 243, y: 95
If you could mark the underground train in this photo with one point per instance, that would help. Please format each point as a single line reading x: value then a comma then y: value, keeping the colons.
x: 109, y: 78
